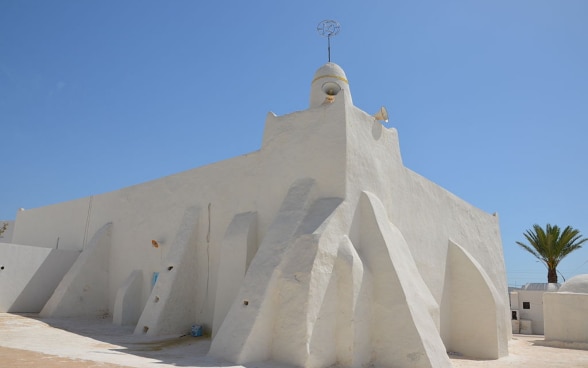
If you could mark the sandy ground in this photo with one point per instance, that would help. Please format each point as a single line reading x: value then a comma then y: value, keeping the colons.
x: 28, y: 341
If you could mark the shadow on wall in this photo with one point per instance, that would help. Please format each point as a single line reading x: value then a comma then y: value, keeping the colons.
x: 25, y: 287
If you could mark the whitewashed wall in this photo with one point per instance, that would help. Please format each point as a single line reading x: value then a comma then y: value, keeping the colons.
x: 565, y: 317
x: 535, y: 312
x: 565, y: 312
x: 328, y: 180
x: 146, y: 212
x: 28, y: 275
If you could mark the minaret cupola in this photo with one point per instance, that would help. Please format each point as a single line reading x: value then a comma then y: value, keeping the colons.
x: 328, y: 84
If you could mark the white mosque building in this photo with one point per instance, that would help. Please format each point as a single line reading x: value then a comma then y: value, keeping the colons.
x: 320, y: 248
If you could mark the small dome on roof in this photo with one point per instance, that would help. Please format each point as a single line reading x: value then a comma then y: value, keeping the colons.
x: 331, y: 70
x: 329, y: 80
x: 577, y: 284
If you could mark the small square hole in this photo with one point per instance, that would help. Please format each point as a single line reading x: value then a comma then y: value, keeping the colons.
x: 526, y: 305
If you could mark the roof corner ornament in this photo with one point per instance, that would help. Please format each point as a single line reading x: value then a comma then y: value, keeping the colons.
x: 328, y: 28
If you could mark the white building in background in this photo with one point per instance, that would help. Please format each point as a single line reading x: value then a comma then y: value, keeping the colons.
x: 566, y: 312
x: 321, y: 248
x: 526, y: 306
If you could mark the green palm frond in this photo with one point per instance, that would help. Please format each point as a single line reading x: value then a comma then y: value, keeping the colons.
x: 551, y: 245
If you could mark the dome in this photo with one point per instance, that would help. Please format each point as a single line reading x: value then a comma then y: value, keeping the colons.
x: 330, y: 70
x: 329, y: 80
x: 577, y: 284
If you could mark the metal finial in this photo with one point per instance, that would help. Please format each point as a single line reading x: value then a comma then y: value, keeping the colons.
x: 328, y: 28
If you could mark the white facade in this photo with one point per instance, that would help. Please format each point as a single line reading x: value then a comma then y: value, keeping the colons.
x: 565, y: 312
x: 29, y: 275
x: 528, y: 302
x: 320, y: 248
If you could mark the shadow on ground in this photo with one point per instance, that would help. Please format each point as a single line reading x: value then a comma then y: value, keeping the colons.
x: 560, y: 344
x: 181, y: 350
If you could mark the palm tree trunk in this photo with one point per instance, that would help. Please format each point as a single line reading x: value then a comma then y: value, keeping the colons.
x: 552, y: 275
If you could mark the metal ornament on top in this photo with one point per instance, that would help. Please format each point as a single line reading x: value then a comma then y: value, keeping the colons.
x: 328, y: 28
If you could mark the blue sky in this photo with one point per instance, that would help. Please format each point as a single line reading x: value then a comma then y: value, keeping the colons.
x: 490, y: 98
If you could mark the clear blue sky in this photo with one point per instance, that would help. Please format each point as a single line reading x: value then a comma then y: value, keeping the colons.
x: 490, y: 98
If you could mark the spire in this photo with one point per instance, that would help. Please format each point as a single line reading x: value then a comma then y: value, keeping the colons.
x: 328, y: 28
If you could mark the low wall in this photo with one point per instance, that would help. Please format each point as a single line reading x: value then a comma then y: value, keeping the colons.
x: 565, y: 317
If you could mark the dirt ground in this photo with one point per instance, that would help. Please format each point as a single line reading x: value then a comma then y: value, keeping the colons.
x: 16, y: 358
x: 28, y: 341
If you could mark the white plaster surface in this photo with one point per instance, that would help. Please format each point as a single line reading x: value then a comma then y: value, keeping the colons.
x: 50, y: 229
x: 476, y: 307
x: 577, y: 284
x: 353, y: 259
x: 565, y: 312
x: 83, y: 290
x: 238, y: 247
x: 172, y: 304
x: 127, y: 307
x: 531, y: 293
x: 535, y: 313
x: 28, y: 275
x: 526, y: 327
x: 396, y: 277
x: 329, y: 73
x: 246, y: 334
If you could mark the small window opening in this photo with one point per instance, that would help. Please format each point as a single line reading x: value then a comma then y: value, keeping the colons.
x: 526, y: 305
x: 514, y: 315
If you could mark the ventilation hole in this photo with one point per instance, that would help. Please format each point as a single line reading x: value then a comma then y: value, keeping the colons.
x: 245, y: 302
x: 170, y: 268
x: 1, y: 267
x: 145, y: 329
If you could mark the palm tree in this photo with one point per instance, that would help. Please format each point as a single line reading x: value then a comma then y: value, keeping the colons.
x: 552, y: 245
